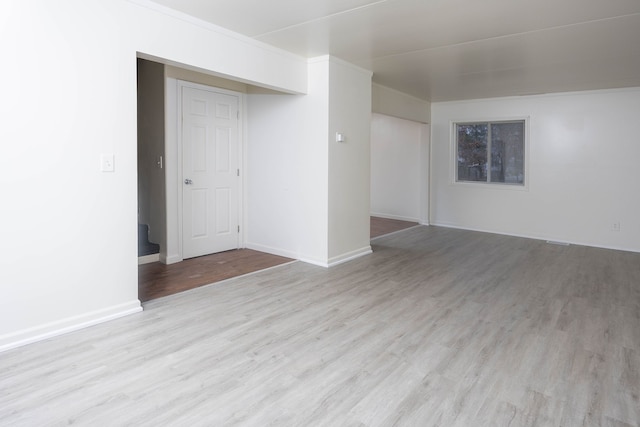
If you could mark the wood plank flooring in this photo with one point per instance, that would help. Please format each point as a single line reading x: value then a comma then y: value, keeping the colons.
x: 438, y: 327
x: 381, y: 226
x: 157, y: 280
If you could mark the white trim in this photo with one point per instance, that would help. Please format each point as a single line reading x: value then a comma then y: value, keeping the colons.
x: 453, y: 160
x: 430, y: 184
x: 148, y: 259
x: 171, y: 251
x: 425, y: 167
x: 397, y: 217
x: 271, y: 250
x: 527, y: 236
x: 314, y: 262
x: 554, y: 242
x: 243, y: 163
x: 171, y: 259
x: 70, y: 324
x: 340, y: 259
x: 398, y: 231
x: 242, y: 171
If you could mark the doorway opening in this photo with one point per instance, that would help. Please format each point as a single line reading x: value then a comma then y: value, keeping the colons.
x: 151, y: 176
x: 164, y: 266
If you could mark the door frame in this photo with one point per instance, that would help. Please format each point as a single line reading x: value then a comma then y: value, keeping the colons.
x: 173, y: 164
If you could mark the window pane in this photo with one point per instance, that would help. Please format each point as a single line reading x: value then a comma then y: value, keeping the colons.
x: 507, y: 152
x: 472, y: 152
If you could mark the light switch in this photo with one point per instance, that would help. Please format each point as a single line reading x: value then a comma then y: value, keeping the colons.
x: 107, y: 163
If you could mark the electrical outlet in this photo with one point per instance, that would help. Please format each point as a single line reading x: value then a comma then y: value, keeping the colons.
x: 616, y: 226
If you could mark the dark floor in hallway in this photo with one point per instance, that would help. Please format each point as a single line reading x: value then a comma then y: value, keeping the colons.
x: 157, y: 280
x: 382, y: 226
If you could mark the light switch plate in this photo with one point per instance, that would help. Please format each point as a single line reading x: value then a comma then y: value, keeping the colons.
x: 107, y: 163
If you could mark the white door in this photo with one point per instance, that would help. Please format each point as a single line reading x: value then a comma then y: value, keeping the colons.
x: 210, y: 215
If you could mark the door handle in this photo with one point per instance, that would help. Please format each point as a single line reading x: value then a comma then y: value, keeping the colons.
x: 188, y: 181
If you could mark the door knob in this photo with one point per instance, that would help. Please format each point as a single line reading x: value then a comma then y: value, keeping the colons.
x: 188, y: 181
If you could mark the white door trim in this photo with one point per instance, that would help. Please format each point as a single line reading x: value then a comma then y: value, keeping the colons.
x: 173, y: 164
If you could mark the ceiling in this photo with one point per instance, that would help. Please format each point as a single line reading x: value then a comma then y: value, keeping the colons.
x: 442, y: 50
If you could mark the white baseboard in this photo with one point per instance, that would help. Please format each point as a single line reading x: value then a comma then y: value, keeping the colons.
x: 536, y: 237
x: 321, y: 263
x: 333, y: 261
x: 285, y: 253
x: 170, y: 259
x: 398, y: 217
x: 314, y: 262
x: 397, y: 231
x: 336, y: 260
x: 148, y: 259
x: 53, y: 329
x: 484, y: 230
x: 270, y: 250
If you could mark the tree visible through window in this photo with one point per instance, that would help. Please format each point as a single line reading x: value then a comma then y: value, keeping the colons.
x: 490, y: 152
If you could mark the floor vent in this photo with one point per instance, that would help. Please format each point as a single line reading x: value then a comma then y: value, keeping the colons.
x: 553, y: 242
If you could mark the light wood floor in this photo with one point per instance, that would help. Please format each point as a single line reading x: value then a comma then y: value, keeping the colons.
x: 438, y: 327
x: 157, y: 280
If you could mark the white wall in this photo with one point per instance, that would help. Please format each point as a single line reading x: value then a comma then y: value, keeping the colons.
x: 286, y: 173
x: 307, y: 196
x: 181, y: 40
x: 583, y: 156
x: 349, y: 161
x: 397, y: 163
x: 393, y: 103
x: 69, y: 245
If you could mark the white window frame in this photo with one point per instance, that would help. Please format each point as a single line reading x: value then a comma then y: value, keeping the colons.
x: 484, y: 184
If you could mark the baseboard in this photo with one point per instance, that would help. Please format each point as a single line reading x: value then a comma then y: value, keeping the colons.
x: 170, y: 259
x: 270, y: 250
x: 396, y: 232
x: 484, y: 230
x: 348, y: 256
x: 314, y: 262
x: 148, y: 259
x: 53, y: 329
x: 398, y: 217
x: 534, y: 237
x: 329, y: 263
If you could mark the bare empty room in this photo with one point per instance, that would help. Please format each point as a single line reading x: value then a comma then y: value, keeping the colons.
x: 504, y: 130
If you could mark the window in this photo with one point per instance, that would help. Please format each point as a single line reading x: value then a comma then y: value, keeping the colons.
x: 490, y: 152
